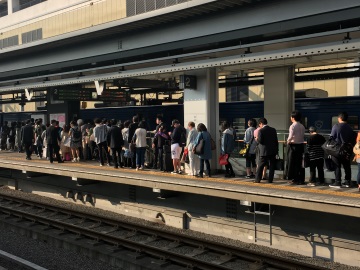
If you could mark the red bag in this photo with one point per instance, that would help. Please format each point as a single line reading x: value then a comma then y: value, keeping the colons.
x: 223, y: 159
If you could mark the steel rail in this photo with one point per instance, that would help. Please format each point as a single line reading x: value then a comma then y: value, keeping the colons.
x: 225, y: 249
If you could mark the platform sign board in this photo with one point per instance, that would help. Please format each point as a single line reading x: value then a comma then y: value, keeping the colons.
x: 188, y: 82
x: 84, y: 94
x: 58, y: 117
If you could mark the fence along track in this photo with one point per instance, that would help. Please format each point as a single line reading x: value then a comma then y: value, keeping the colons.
x: 225, y: 253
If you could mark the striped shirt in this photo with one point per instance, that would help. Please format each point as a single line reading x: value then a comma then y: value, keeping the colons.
x: 314, y: 144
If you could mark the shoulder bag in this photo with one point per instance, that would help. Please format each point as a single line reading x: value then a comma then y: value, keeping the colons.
x: 223, y: 159
x: 199, y: 148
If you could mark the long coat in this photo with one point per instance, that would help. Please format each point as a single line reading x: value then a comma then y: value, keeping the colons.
x: 207, y: 144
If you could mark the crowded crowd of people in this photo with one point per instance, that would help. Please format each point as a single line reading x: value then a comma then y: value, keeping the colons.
x: 173, y: 145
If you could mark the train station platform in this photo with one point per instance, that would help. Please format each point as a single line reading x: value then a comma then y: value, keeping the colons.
x: 344, y: 201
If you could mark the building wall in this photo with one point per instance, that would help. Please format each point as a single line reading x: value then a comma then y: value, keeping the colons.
x: 60, y: 17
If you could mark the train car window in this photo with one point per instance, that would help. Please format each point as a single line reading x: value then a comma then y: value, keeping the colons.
x: 304, y: 121
x: 353, y: 121
x: 239, y: 125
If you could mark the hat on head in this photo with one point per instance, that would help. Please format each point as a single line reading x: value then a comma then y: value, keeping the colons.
x: 312, y: 129
x: 175, y: 121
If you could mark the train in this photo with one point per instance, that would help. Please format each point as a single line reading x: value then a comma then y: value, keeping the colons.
x: 319, y: 112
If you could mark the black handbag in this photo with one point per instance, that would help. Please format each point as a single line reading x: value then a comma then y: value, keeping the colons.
x: 279, y: 164
x: 331, y: 147
x: 306, y: 160
x: 329, y: 164
x: 199, y: 148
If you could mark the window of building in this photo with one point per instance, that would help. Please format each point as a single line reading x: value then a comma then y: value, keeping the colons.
x: 28, y: 3
x: 31, y: 36
x: 135, y: 7
x: 3, y: 9
x: 353, y: 121
x: 8, y: 42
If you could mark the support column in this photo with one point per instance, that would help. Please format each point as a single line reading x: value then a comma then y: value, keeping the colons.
x: 202, y: 106
x: 279, y: 96
x: 13, y: 6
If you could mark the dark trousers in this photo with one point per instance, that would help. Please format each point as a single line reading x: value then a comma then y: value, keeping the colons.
x: 208, y: 169
x: 103, y: 146
x: 133, y: 159
x: 319, y: 165
x: 156, y: 157
x: 347, y: 168
x: 28, y: 150
x: 228, y: 167
x: 294, y: 167
x: 3, y: 143
x: 264, y: 161
x: 161, y: 158
x: 116, y: 155
x: 54, y: 148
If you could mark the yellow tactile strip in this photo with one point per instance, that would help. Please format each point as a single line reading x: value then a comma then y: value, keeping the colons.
x: 235, y: 181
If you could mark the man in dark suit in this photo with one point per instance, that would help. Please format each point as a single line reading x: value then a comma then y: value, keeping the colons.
x: 268, y: 149
x: 52, y: 140
x: 115, y: 142
x: 27, y: 138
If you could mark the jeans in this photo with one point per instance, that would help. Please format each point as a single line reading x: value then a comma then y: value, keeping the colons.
x: 140, y: 156
x: 202, y: 166
x: 347, y: 168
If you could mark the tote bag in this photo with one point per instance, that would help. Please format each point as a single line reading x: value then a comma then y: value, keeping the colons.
x: 223, y: 159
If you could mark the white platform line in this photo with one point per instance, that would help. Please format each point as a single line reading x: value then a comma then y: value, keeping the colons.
x: 21, y: 261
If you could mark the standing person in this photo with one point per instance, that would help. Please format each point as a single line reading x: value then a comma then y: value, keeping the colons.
x: 85, y: 139
x: 342, y: 134
x: 268, y: 149
x: 249, y: 139
x: 115, y: 142
x: 160, y: 139
x: 357, y: 159
x: 100, y: 135
x: 203, y: 134
x: 295, y: 149
x: 140, y: 141
x: 18, y: 137
x: 227, y: 146
x: 75, y: 141
x: 316, y: 155
x: 159, y: 123
x: 52, y: 141
x: 4, y: 135
x: 132, y: 127
x: 127, y: 153
x: 39, y: 129
x: 257, y: 154
x: 176, y: 148
x: 65, y: 143
x: 27, y: 138
x: 194, y: 161
x: 12, y: 134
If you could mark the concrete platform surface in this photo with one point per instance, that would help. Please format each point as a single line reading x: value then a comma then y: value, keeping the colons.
x: 344, y: 201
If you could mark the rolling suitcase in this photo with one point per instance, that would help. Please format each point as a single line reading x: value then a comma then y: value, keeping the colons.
x: 167, y: 161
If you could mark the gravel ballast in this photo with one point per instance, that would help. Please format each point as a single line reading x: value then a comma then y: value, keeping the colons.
x: 115, y: 216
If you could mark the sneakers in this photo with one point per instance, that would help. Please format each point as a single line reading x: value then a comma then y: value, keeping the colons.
x: 174, y: 172
x: 78, y: 159
x: 101, y: 165
x: 248, y: 176
x: 311, y: 184
x: 335, y: 185
x: 74, y: 160
x: 346, y: 185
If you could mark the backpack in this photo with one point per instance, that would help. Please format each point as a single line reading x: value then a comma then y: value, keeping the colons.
x: 183, y: 138
x: 76, y: 135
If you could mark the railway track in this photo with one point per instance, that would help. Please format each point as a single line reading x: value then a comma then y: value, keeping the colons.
x: 163, y: 246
